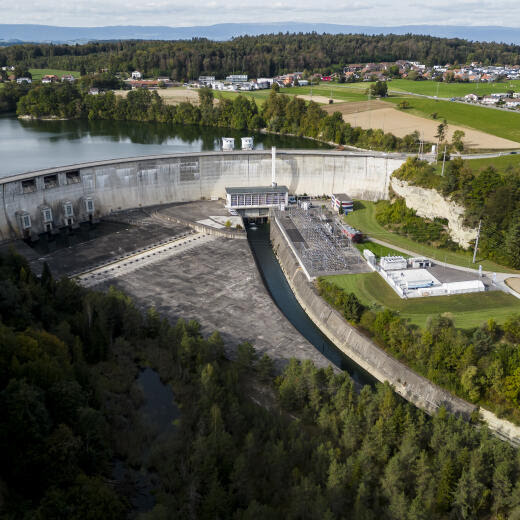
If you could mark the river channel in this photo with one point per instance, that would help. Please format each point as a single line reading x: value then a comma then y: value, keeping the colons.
x: 284, y: 298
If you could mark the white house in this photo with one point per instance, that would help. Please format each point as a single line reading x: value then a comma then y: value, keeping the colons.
x: 471, y: 97
x: 489, y: 100
x: 23, y: 80
x: 136, y: 75
x: 237, y: 78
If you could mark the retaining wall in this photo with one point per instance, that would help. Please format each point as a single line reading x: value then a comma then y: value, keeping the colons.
x: 145, y: 181
x: 410, y: 385
x: 202, y: 228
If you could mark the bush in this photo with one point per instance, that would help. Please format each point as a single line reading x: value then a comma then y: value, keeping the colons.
x: 402, y: 220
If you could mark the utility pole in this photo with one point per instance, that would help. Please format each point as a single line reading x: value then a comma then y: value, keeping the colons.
x: 442, y: 173
x: 476, y: 241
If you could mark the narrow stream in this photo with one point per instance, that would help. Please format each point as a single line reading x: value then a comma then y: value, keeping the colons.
x: 284, y: 298
x: 158, y: 411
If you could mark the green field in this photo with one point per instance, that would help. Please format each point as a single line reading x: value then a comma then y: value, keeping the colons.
x: 449, y: 90
x: 496, y: 122
x: 466, y: 310
x: 502, y: 163
x: 379, y: 250
x: 363, y: 218
x: 37, y: 74
x: 338, y: 92
x: 428, y: 88
x: 258, y: 95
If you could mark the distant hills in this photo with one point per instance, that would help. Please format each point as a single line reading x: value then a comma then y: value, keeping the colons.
x: 14, y: 33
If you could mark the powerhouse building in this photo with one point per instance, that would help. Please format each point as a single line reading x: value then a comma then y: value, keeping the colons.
x: 255, y: 201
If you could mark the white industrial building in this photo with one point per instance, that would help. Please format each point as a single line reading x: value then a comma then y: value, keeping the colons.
x: 389, y: 263
x: 247, y: 143
x: 370, y: 258
x: 228, y: 144
x: 410, y: 278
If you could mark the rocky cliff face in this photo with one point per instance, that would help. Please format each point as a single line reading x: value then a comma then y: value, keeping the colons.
x: 431, y: 204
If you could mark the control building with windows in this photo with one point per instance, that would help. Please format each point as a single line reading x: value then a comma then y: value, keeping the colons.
x: 342, y: 200
x: 255, y: 201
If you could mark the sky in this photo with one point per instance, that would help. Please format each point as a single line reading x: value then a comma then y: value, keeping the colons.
x: 176, y: 13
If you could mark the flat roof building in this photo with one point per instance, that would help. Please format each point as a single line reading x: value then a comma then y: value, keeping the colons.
x: 255, y: 201
x: 237, y: 78
x: 342, y: 200
x: 389, y: 263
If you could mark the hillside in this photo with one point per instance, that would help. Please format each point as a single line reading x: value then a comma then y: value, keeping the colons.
x: 226, y: 31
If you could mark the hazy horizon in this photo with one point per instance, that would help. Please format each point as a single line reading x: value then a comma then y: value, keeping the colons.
x: 183, y: 13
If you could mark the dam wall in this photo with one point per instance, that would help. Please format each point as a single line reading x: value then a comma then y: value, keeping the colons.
x: 121, y: 184
x: 361, y: 349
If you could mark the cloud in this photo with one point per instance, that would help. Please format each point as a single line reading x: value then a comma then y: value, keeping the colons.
x: 84, y: 13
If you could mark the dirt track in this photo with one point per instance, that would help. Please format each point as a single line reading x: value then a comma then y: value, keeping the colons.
x: 514, y: 283
x: 318, y: 99
x: 172, y: 96
x: 377, y: 114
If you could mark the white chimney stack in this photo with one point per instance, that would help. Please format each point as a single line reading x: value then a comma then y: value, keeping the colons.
x: 273, y: 166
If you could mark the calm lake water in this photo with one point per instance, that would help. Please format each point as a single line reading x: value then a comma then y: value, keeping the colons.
x: 34, y: 145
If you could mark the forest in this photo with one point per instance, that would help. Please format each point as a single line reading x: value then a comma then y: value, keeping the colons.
x: 249, y: 444
x: 488, y: 194
x: 257, y: 56
x: 280, y: 113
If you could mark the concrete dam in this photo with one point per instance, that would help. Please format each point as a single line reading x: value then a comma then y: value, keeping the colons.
x: 40, y: 201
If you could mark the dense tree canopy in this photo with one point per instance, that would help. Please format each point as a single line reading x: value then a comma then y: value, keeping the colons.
x: 258, y: 56
x: 306, y: 445
x: 280, y: 113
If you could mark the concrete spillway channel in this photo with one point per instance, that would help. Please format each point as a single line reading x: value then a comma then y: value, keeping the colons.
x: 141, y: 259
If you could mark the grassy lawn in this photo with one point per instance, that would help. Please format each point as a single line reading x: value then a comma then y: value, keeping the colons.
x: 338, y: 92
x: 496, y: 122
x: 466, y: 310
x: 499, y: 163
x: 379, y: 250
x: 449, y: 90
x: 363, y: 218
x: 258, y: 95
x: 37, y: 74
